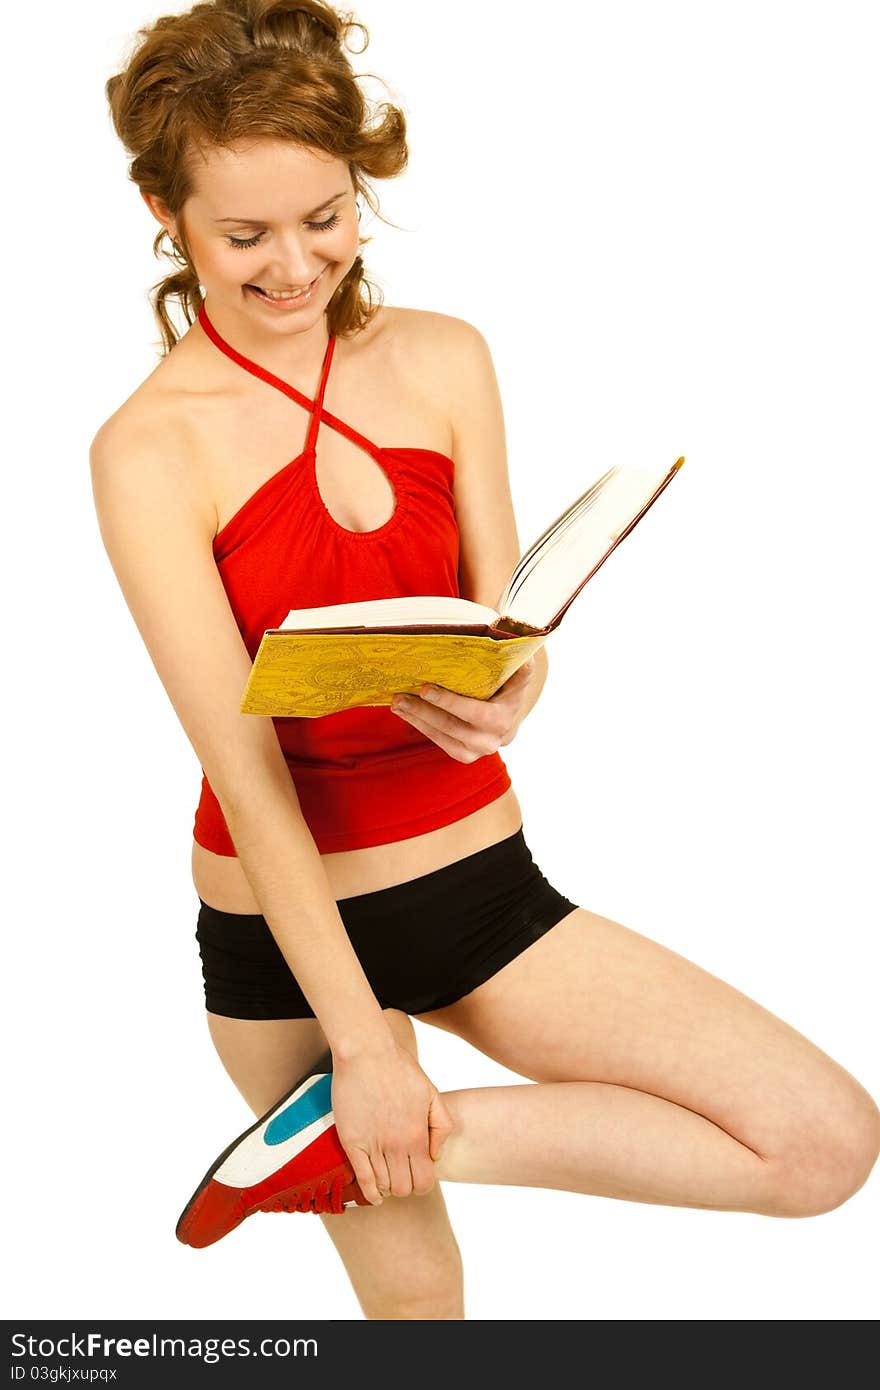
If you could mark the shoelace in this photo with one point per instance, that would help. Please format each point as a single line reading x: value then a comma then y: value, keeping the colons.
x: 327, y: 1198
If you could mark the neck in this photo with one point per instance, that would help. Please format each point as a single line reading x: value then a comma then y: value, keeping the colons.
x: 292, y: 355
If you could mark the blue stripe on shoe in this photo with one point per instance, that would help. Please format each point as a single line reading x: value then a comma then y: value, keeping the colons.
x: 311, y: 1106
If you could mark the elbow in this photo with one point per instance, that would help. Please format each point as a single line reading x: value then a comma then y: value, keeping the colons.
x: 246, y: 795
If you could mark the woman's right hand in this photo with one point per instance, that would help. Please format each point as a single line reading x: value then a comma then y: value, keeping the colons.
x: 391, y: 1121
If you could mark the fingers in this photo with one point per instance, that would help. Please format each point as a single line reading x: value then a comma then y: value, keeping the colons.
x: 423, y: 1176
x: 453, y: 746
x: 395, y: 1173
x: 412, y: 1174
x: 380, y: 1169
x: 401, y: 1176
x: 442, y: 729
x: 398, y: 1173
x: 365, y: 1175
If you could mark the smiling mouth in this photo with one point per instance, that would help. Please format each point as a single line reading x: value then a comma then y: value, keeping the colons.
x: 289, y: 294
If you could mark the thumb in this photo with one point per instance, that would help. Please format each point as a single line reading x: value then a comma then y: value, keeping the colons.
x: 440, y: 1125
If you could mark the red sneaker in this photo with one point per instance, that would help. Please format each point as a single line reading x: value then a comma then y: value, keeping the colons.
x: 289, y: 1160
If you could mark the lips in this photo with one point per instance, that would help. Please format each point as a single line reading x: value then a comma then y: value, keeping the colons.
x: 295, y: 290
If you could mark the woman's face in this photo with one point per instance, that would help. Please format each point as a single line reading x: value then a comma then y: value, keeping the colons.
x: 270, y: 216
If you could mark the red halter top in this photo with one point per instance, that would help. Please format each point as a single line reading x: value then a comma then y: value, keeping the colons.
x: 362, y: 776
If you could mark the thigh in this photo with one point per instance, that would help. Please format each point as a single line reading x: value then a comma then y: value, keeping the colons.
x: 401, y: 1257
x: 593, y: 1000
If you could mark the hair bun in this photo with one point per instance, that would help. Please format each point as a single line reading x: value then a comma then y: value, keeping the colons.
x: 297, y: 24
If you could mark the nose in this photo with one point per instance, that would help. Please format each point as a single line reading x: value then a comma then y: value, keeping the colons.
x: 292, y: 267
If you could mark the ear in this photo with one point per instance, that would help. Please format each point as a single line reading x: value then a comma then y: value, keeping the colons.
x: 160, y: 212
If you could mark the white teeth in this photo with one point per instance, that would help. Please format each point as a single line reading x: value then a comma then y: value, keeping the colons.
x: 276, y: 294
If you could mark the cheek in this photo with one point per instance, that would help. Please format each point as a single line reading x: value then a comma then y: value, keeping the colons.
x: 225, y: 263
x: 343, y: 245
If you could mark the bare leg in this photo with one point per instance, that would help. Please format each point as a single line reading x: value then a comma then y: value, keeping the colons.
x: 402, y: 1257
x: 586, y: 1136
x: 658, y: 1083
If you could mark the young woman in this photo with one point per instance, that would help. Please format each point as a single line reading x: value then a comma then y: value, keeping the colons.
x: 302, y: 445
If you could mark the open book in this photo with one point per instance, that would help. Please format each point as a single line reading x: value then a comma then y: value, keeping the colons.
x: 322, y: 660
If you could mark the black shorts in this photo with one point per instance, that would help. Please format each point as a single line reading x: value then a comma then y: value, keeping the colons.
x: 422, y: 944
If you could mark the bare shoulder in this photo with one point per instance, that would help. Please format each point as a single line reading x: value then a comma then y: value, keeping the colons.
x: 139, y: 479
x: 448, y: 357
x: 439, y: 338
x: 147, y: 448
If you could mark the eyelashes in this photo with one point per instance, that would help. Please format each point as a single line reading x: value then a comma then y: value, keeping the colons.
x: 234, y: 241
x: 315, y: 226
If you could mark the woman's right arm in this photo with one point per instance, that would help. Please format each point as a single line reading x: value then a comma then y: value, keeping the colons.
x: 158, y: 533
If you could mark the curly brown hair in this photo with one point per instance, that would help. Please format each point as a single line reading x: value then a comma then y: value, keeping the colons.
x: 232, y: 69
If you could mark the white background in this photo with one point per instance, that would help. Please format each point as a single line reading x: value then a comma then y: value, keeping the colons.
x: 664, y: 220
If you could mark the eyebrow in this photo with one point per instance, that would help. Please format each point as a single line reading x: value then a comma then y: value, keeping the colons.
x: 257, y: 222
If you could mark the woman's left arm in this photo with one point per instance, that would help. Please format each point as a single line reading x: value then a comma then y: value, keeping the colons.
x: 463, y: 372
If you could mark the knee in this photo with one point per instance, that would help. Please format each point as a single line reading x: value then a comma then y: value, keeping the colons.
x: 433, y: 1291
x: 825, y: 1163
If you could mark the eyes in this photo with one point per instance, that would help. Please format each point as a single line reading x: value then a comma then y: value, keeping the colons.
x: 315, y: 226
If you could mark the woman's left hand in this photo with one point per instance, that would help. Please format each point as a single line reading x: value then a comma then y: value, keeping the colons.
x: 463, y: 727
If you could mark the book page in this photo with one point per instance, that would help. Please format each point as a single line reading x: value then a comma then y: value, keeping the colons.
x: 560, y: 561
x: 392, y: 612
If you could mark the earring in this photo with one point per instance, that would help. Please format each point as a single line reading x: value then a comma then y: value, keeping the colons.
x: 359, y: 210
x: 202, y: 291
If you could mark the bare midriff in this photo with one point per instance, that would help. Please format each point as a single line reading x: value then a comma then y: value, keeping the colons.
x: 221, y: 882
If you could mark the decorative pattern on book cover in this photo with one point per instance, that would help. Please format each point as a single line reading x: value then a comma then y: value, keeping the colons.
x: 322, y: 673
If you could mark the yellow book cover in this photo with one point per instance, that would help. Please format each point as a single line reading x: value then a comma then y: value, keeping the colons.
x: 322, y: 660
